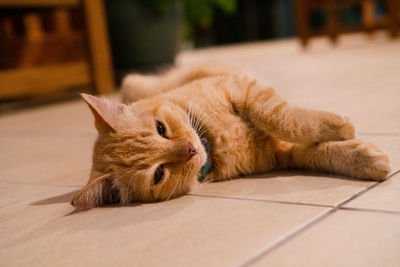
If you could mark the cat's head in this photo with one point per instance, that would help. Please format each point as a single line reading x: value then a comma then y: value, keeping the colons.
x: 147, y: 151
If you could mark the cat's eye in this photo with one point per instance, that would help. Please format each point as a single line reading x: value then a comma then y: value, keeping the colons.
x: 158, y: 175
x: 161, y: 129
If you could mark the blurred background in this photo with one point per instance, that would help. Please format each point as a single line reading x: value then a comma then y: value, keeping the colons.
x: 52, y: 49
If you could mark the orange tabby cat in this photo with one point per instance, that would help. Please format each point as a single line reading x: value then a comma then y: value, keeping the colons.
x: 211, y: 123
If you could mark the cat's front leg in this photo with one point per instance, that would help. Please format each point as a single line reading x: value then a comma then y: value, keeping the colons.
x: 354, y: 158
x: 267, y: 111
x: 318, y: 126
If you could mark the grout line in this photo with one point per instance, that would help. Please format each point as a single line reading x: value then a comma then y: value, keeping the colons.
x: 366, y: 189
x: 304, y: 204
x: 36, y: 194
x: 45, y: 133
x: 11, y: 203
x: 393, y: 174
x: 286, y: 238
x: 289, y: 237
x: 370, y: 210
x: 40, y: 184
x: 357, y: 195
x: 266, y: 200
x: 377, y: 134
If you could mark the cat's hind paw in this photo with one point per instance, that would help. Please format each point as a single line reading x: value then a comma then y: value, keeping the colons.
x: 369, y: 162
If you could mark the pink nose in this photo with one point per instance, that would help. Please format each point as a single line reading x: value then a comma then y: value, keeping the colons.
x: 190, y: 151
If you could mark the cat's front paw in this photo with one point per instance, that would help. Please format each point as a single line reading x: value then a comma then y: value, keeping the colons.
x: 336, y: 128
x: 368, y: 161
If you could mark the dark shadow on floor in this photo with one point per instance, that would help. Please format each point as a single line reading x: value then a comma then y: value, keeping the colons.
x: 55, y: 200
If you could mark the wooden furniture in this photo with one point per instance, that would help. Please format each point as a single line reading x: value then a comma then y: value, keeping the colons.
x: 334, y: 28
x: 52, y: 45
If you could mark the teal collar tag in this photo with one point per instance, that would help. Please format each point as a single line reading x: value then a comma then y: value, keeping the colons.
x: 205, y: 170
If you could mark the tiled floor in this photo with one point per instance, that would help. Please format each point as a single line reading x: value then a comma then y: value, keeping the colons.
x: 277, y: 219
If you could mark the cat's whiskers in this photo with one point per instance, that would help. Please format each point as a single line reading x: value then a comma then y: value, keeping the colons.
x: 130, y: 189
x: 173, y: 191
x: 192, y: 119
x: 195, y: 118
x: 199, y: 115
x: 207, y: 182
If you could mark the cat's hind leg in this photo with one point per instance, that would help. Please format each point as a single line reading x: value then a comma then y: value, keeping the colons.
x: 354, y: 158
x: 138, y: 86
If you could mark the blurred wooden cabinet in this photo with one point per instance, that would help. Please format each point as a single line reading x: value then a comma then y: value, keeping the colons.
x: 333, y: 26
x: 52, y: 45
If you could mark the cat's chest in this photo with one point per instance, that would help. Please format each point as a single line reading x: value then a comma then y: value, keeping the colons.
x: 236, y: 147
x: 226, y: 132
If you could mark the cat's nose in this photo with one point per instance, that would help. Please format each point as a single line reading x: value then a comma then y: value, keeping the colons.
x: 190, y: 151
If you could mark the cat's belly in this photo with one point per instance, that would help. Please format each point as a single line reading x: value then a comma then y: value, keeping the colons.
x: 239, y: 149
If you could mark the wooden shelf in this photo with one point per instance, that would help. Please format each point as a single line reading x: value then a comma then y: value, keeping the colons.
x: 42, y: 80
x: 38, y: 3
x: 52, y: 47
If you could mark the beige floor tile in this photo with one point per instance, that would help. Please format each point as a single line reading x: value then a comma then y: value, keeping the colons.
x: 70, y: 117
x: 386, y: 196
x: 52, y: 146
x: 296, y: 187
x: 346, y: 238
x: 372, y: 107
x: 189, y: 231
x: 42, y: 204
x: 301, y: 187
x: 46, y: 158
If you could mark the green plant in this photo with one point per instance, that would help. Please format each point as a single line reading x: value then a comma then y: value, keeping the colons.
x: 157, y: 6
x: 197, y: 13
x: 201, y: 12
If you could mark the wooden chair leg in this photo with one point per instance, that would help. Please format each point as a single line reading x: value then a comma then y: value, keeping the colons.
x: 333, y: 23
x: 368, y: 7
x: 393, y: 11
x: 302, y: 21
x: 99, y: 48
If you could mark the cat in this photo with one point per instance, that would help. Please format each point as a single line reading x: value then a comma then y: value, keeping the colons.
x: 211, y: 123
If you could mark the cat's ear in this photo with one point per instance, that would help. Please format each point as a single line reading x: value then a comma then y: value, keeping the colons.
x: 97, y: 192
x: 105, y: 112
